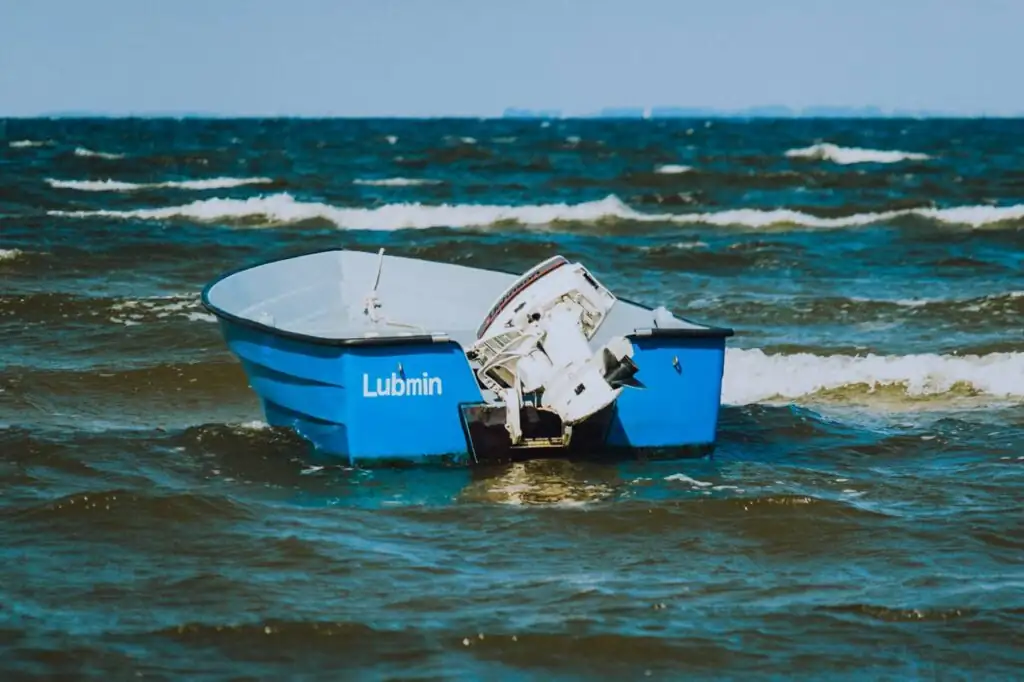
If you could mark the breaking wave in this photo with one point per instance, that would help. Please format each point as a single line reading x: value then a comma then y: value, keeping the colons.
x: 751, y: 375
x: 62, y: 308
x: 10, y: 254
x: 118, y: 186
x: 975, y: 304
x: 849, y: 155
x: 89, y: 153
x: 136, y: 311
x: 283, y: 208
x: 672, y: 169
x: 995, y: 310
x: 27, y: 144
x: 394, y: 182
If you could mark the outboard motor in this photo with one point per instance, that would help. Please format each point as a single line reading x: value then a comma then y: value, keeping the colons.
x: 535, y: 340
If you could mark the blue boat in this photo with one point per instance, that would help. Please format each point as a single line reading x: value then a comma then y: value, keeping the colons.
x: 382, y: 360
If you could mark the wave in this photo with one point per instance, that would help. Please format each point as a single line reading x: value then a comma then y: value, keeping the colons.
x: 672, y: 169
x: 89, y: 153
x: 283, y: 208
x: 27, y: 144
x: 849, y: 155
x: 751, y: 375
x: 976, y: 304
x: 395, y: 182
x: 10, y: 254
x: 221, y: 379
x: 93, y: 508
x: 64, y: 307
x: 131, y: 312
x: 983, y: 313
x: 118, y: 186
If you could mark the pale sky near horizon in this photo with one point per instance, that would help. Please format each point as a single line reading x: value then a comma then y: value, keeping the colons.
x: 475, y: 58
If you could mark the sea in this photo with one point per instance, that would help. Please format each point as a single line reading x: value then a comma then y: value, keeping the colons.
x: 859, y: 519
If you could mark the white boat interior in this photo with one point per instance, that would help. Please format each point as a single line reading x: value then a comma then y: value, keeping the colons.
x: 325, y: 295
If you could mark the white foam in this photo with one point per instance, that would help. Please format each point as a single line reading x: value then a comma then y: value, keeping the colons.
x: 283, y: 208
x: 10, y: 254
x: 975, y: 303
x: 686, y: 479
x: 82, y: 151
x: 394, y: 182
x: 849, y: 155
x: 672, y: 169
x: 25, y: 144
x: 118, y: 186
x: 915, y: 302
x: 254, y: 425
x: 751, y: 375
x: 677, y: 245
x: 973, y: 216
x: 137, y: 311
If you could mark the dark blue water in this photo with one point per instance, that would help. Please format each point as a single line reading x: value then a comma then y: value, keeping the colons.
x: 859, y: 520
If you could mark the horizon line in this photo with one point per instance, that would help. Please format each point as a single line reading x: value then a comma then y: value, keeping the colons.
x: 630, y: 112
x: 82, y: 115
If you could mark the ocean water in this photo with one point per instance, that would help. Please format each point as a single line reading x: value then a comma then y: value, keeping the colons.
x: 860, y: 518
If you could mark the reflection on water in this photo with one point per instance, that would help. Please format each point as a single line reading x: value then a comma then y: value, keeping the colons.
x: 548, y: 482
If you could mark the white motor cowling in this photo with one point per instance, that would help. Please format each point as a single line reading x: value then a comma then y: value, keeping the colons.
x: 536, y: 340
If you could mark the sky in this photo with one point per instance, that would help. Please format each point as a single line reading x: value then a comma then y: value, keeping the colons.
x: 477, y: 57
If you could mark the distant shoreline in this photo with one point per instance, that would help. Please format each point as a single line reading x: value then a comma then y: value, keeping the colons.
x: 600, y: 116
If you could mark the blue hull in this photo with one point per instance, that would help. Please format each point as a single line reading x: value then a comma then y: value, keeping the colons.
x: 407, y: 400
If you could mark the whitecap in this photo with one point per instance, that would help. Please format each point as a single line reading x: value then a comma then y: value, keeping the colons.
x: 850, y: 155
x: 751, y: 375
x: 82, y: 151
x: 284, y: 208
x: 672, y: 169
x: 394, y: 182
x: 109, y: 185
x: 28, y: 144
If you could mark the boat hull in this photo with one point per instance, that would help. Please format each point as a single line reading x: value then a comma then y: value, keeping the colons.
x: 416, y: 400
x: 364, y: 403
x: 680, y: 401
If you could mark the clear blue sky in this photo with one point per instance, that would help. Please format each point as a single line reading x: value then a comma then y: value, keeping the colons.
x: 476, y: 57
